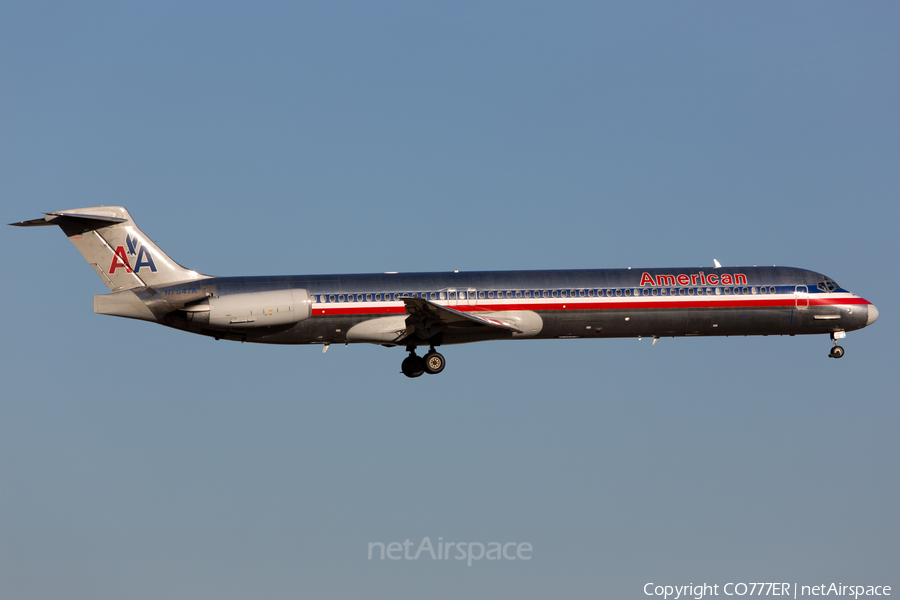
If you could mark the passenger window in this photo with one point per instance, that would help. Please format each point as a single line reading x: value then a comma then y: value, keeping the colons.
x: 481, y: 295
x: 718, y: 291
x: 753, y: 290
x: 745, y: 290
x: 545, y: 294
x: 443, y: 296
x: 627, y: 292
x: 771, y: 290
x: 518, y: 294
x: 331, y: 297
x: 645, y: 292
x: 581, y: 293
x: 727, y: 291
x: 682, y: 292
x: 555, y: 294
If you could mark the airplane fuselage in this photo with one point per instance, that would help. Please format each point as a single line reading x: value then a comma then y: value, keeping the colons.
x: 598, y: 303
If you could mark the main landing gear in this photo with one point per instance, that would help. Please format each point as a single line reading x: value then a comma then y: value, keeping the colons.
x: 836, y: 351
x: 432, y: 363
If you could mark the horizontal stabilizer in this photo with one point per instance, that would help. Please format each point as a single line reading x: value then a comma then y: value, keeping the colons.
x: 58, y: 218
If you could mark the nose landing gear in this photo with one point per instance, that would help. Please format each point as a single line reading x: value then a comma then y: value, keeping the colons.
x: 836, y: 351
x: 413, y: 366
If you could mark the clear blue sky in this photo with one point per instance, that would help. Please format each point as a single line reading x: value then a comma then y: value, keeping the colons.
x: 286, y: 138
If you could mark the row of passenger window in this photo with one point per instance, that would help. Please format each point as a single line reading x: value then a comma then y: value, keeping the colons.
x: 470, y: 295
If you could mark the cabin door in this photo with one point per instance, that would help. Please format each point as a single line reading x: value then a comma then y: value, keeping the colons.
x: 801, y: 297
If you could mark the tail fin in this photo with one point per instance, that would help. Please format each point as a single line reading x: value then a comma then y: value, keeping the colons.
x: 119, y: 252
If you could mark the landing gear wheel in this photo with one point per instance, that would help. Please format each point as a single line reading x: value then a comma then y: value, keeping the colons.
x: 412, y: 366
x: 434, y: 363
x: 836, y: 352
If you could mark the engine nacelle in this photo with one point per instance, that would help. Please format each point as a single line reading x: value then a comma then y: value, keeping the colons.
x: 259, y: 309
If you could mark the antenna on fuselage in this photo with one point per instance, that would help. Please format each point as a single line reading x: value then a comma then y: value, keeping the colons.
x: 717, y: 263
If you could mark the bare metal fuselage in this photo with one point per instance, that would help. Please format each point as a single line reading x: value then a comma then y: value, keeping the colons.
x: 604, y: 303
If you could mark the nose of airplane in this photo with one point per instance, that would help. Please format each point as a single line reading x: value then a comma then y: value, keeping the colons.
x: 873, y: 315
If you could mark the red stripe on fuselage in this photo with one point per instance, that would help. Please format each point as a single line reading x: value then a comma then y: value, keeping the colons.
x: 579, y: 305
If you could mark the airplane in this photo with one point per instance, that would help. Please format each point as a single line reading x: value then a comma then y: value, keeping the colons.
x: 440, y: 309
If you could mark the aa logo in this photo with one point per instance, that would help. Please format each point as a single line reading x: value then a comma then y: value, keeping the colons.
x: 120, y: 258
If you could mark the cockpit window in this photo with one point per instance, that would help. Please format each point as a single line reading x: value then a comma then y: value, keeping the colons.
x: 827, y: 286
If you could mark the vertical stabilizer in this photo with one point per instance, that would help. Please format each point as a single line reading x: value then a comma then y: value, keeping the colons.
x: 119, y: 252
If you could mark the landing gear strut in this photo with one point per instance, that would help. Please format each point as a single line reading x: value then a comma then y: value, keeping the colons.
x: 413, y: 366
x: 836, y: 351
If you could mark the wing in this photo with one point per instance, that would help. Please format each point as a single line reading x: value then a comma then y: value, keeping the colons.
x: 427, y: 319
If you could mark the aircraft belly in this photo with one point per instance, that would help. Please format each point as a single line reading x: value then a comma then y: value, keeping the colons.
x: 606, y: 323
x: 668, y: 322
